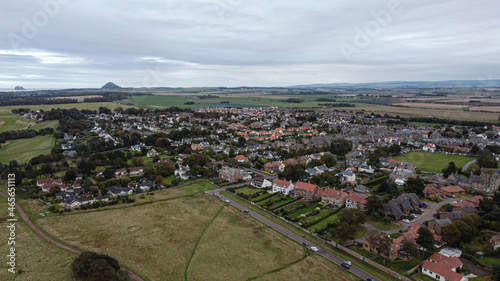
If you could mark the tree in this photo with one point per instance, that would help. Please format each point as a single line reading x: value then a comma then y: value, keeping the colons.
x: 353, y: 216
x: 395, y: 149
x: 95, y: 267
x: 373, y: 203
x: 340, y: 146
x: 452, y: 234
x: 486, y: 159
x: 425, y: 238
x: 343, y: 232
x: 414, y: 185
x: 241, y: 141
x: 408, y: 250
x: 100, y: 270
x: 451, y: 169
x: 329, y: 160
x: 381, y: 242
x: 495, y: 273
x: 137, y: 161
x: 70, y: 174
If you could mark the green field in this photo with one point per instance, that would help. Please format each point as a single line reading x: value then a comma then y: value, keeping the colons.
x: 23, y: 150
x: 193, y: 237
x: 35, y: 257
x: 433, y: 162
x: 79, y: 106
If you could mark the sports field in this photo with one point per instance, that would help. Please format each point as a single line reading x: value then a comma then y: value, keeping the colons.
x: 192, y: 237
x: 433, y: 162
x: 23, y: 150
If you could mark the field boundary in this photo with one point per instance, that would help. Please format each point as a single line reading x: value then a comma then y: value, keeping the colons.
x: 279, y: 269
x: 198, y: 241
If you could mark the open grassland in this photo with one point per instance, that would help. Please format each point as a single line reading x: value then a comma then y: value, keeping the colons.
x: 433, y: 162
x: 23, y: 150
x: 10, y: 121
x: 79, y: 106
x: 196, y: 237
x: 38, y: 259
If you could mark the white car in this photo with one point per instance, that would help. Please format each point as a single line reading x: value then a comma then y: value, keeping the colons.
x: 227, y: 200
x: 314, y: 248
x: 348, y: 263
x: 406, y: 221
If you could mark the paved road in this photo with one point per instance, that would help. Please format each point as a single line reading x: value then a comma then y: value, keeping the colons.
x: 53, y: 242
x: 355, y: 270
x: 466, y: 166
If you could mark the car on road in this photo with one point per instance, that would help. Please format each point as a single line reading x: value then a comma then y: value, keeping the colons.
x: 348, y: 262
x: 218, y: 196
x: 406, y: 221
x: 454, y: 202
x: 345, y: 265
x: 425, y: 204
x: 421, y: 210
x: 227, y: 200
x: 305, y: 244
x: 314, y: 248
x: 443, y: 196
x: 246, y: 211
x: 370, y: 279
x: 414, y: 216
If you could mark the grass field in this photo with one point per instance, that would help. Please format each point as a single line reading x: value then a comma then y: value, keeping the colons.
x: 383, y: 226
x: 79, y: 106
x: 433, y: 162
x: 23, y: 150
x: 195, y: 237
x: 10, y: 121
x: 38, y: 259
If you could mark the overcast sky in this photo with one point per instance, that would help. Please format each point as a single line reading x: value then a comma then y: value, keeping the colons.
x: 148, y: 43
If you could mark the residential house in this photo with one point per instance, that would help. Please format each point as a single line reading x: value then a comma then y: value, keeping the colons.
x: 404, y: 205
x: 356, y: 201
x: 431, y: 190
x: 443, y: 268
x: 145, y: 184
x: 233, y: 174
x: 347, y: 176
x: 413, y: 199
x: 452, y: 190
x: 182, y: 172
x: 333, y: 197
x: 361, y: 189
x: 430, y: 147
x: 392, y: 210
x: 136, y: 171
x: 261, y: 182
x: 465, y: 209
x: 282, y: 186
x: 274, y: 167
x: 365, y: 168
x: 495, y: 241
x: 308, y: 191
x: 117, y: 191
x: 241, y: 158
x: 152, y: 153
x: 438, y: 224
x: 453, y: 216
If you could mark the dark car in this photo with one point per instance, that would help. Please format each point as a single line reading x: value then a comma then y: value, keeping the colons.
x: 305, y: 244
x: 370, y: 279
x: 345, y: 265
x: 246, y: 211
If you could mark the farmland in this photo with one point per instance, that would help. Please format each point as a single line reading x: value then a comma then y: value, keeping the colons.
x: 23, y: 150
x: 79, y: 106
x: 193, y: 237
x: 433, y: 162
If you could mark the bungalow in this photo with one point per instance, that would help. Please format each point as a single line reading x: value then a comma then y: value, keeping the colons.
x: 241, y: 158
x: 145, y: 184
x: 452, y: 190
x: 495, y: 241
x: 182, y: 172
x: 431, y: 190
x: 47, y: 184
x: 152, y: 153
x: 136, y: 171
x: 441, y: 267
x: 356, y: 201
x: 365, y: 168
x: 308, y: 191
x: 116, y: 191
x: 333, y: 197
x: 233, y: 175
x: 282, y: 186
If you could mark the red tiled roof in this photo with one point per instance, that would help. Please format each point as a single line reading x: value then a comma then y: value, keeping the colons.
x: 337, y: 194
x: 452, y: 188
x: 305, y: 186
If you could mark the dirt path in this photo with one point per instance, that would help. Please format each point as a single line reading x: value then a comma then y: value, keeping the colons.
x: 466, y: 166
x: 52, y: 241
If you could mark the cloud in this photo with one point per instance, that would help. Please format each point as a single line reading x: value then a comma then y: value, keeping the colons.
x: 80, y: 43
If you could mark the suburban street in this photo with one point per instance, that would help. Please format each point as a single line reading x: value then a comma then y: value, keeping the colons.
x: 355, y: 270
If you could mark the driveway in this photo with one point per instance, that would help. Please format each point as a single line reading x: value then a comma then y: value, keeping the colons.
x: 355, y: 270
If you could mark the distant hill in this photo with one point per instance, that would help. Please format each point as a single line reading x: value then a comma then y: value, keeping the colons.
x: 111, y: 86
x: 406, y: 84
x: 19, y: 88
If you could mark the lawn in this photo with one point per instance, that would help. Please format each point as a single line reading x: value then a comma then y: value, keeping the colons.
x: 396, y: 265
x: 283, y: 203
x: 10, y: 121
x: 323, y: 213
x: 23, y: 150
x: 197, y: 237
x: 263, y: 196
x: 323, y: 224
x: 382, y: 226
x: 247, y: 191
x: 433, y: 162
x: 35, y: 257
x: 304, y: 210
